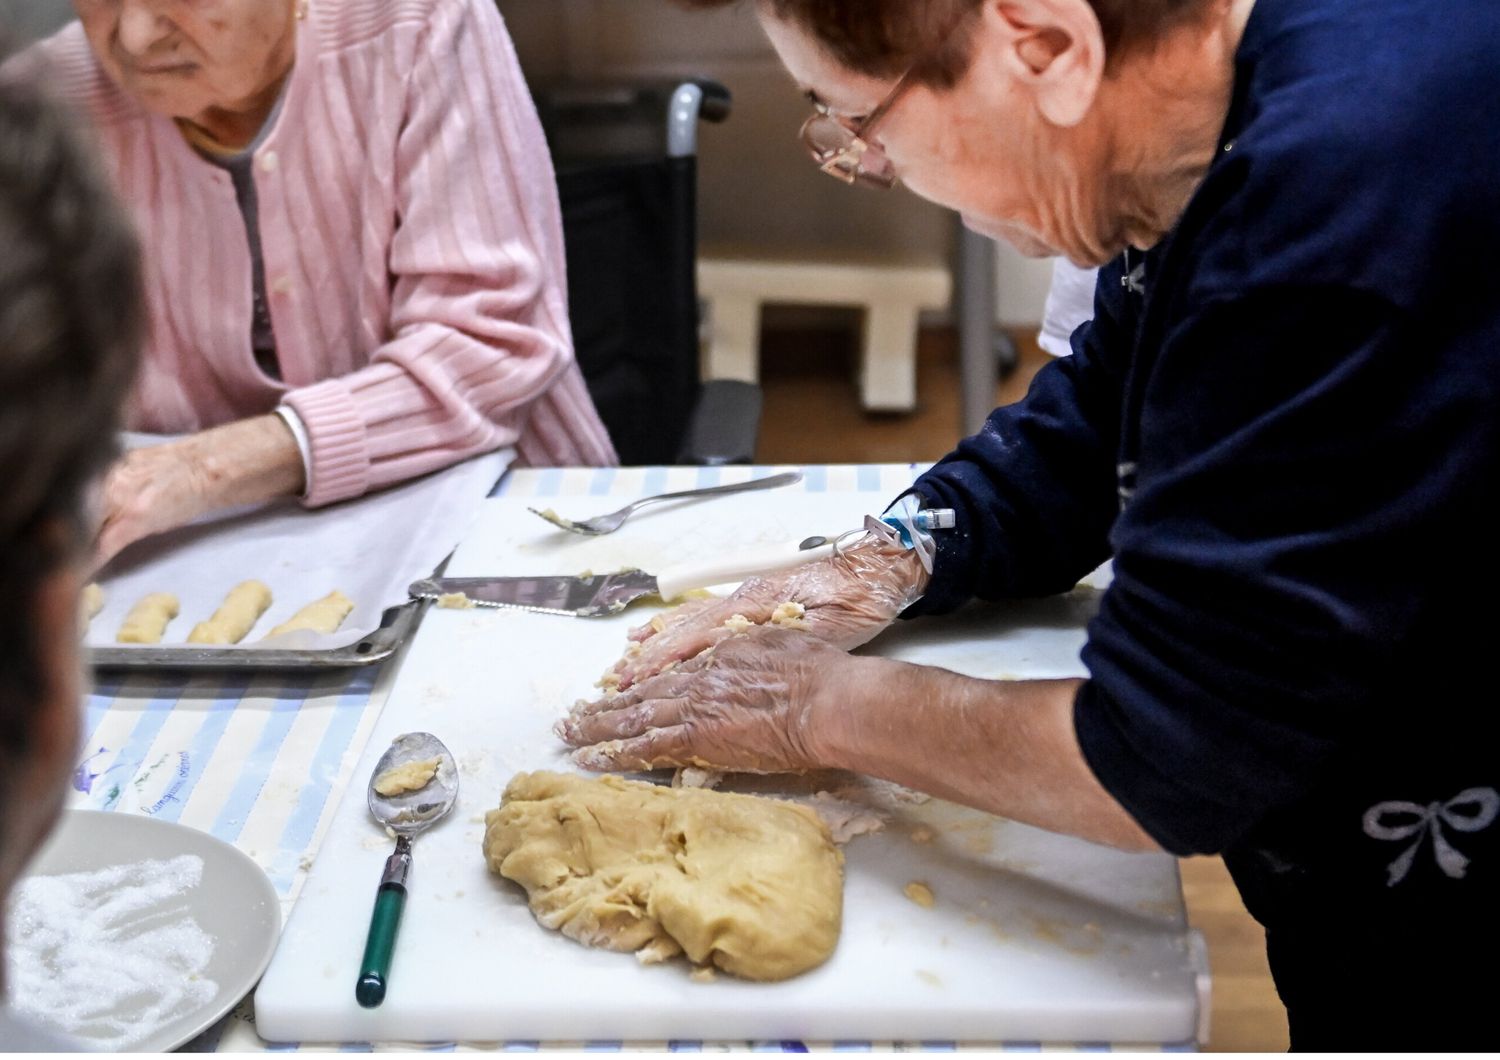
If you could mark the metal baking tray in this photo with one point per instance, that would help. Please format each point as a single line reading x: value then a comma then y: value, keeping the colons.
x: 396, y: 625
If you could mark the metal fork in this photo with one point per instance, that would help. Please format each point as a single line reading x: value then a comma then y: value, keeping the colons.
x: 608, y: 524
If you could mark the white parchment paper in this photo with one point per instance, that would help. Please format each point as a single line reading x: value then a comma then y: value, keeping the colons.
x: 370, y: 549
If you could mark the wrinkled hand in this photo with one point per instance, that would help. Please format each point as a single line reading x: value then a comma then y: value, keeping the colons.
x: 146, y: 492
x: 152, y: 490
x: 848, y: 598
x: 760, y: 702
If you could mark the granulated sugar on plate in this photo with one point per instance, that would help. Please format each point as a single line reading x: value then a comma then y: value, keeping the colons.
x: 109, y: 956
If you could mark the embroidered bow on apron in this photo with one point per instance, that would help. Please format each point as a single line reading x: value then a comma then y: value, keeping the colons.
x: 1468, y: 811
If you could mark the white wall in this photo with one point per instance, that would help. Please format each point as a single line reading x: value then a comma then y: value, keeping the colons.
x: 22, y: 21
x: 758, y: 190
x: 1020, y: 286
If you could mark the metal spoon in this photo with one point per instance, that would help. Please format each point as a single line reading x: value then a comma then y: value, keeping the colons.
x: 608, y: 524
x: 407, y: 814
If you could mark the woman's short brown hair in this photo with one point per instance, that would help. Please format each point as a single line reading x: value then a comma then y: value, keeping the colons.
x: 885, y: 38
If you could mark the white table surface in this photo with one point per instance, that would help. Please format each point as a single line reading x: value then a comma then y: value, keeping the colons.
x: 264, y: 761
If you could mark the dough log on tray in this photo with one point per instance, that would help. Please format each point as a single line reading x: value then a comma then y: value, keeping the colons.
x: 148, y: 619
x: 235, y: 617
x: 320, y: 616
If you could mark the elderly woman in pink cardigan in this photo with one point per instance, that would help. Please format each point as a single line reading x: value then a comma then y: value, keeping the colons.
x: 353, y: 245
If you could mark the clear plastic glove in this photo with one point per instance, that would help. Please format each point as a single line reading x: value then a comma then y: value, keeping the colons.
x: 848, y: 599
x: 757, y: 703
x: 155, y: 489
x: 773, y: 700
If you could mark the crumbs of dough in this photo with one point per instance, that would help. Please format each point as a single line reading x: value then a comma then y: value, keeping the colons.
x: 844, y: 819
x: 654, y: 952
x: 789, y: 615
x: 921, y: 835
x: 455, y: 601
x: 704, y: 974
x: 697, y: 777
x: 920, y: 893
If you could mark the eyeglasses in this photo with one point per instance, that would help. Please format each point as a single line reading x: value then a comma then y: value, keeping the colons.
x: 844, y: 151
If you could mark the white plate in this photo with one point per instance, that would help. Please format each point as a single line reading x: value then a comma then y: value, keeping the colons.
x: 234, y: 904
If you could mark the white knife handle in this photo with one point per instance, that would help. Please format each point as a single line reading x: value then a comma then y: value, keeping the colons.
x: 735, y: 566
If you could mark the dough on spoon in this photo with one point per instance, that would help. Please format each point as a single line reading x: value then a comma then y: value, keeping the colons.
x: 240, y: 610
x: 148, y: 619
x: 320, y: 616
x: 753, y: 886
x: 409, y: 776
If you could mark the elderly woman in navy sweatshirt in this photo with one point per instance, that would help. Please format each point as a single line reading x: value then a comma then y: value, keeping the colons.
x: 1283, y: 424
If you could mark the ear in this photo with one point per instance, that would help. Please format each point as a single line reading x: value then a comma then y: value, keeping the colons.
x: 1054, y: 48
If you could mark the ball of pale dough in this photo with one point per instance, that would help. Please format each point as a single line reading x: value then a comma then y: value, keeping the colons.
x: 753, y: 886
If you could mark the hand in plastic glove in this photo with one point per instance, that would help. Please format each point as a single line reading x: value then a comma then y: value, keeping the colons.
x: 753, y: 705
x: 848, y: 598
x: 155, y: 489
x: 773, y: 700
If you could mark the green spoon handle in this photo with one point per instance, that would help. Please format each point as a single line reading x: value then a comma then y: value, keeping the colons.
x: 385, y: 923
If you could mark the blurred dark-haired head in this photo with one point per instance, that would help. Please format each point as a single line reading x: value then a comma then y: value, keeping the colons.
x: 70, y: 324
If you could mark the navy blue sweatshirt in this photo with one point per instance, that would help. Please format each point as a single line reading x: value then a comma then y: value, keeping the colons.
x: 1284, y: 426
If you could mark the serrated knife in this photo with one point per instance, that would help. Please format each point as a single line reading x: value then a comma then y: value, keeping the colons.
x: 608, y: 594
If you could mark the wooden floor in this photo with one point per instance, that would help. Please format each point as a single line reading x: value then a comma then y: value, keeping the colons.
x: 812, y: 415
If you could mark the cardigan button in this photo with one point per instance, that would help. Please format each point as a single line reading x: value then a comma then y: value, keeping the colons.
x: 268, y: 162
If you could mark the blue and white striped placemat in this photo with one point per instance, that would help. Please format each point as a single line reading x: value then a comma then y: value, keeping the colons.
x: 257, y: 761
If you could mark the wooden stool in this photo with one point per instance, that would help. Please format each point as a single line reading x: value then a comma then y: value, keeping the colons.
x: 891, y: 296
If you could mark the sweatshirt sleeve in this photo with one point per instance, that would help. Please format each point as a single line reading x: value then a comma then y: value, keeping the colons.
x: 480, y: 351
x: 1035, y: 490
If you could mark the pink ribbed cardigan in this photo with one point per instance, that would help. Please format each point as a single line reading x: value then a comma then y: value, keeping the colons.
x: 412, y: 242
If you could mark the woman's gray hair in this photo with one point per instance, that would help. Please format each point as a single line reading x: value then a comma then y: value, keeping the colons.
x: 71, y: 310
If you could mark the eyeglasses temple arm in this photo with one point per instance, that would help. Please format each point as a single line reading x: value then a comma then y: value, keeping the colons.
x: 874, y: 118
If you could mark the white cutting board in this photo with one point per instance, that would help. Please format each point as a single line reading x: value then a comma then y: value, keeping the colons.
x: 1034, y: 937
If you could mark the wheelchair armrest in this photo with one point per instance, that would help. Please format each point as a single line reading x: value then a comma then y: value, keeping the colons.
x: 724, y: 425
x: 693, y: 101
